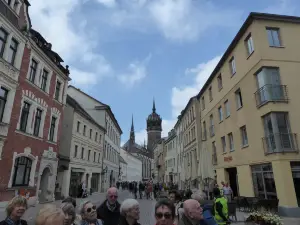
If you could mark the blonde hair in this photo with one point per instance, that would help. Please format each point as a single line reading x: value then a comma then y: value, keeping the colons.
x: 18, y: 200
x: 49, y: 215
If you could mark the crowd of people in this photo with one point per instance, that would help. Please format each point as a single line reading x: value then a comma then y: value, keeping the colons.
x: 177, y: 208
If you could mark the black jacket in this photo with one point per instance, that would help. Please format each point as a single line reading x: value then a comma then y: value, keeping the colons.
x: 108, y: 217
x: 123, y: 221
x: 23, y: 222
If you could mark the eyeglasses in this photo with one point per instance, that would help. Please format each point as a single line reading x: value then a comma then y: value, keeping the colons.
x: 90, y: 209
x: 113, y: 196
x: 161, y: 215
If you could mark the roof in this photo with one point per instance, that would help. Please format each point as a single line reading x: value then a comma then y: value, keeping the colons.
x: 78, y: 108
x: 252, y: 16
x: 104, y: 107
x: 122, y: 160
x: 136, y: 148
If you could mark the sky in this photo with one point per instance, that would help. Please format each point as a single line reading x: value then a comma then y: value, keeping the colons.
x: 126, y: 53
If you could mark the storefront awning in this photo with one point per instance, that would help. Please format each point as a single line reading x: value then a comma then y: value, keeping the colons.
x: 78, y: 170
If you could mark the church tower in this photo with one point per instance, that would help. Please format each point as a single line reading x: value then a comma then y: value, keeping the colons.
x: 154, y: 128
x: 132, y: 135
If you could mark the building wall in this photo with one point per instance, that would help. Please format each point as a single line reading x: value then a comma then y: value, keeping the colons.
x: 243, y: 156
x: 171, y: 159
x: 66, y: 134
x: 134, y: 166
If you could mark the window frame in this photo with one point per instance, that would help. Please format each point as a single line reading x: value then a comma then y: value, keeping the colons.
x: 4, y: 41
x: 220, y: 82
x: 227, y: 108
x: 39, y: 121
x: 44, y: 84
x: 14, y: 50
x: 57, y: 90
x: 249, y: 44
x: 231, y: 141
x: 271, y: 30
x: 26, y: 172
x: 24, y: 117
x: 239, y: 98
x: 52, y: 128
x: 221, y: 115
x: 4, y: 99
x: 232, y: 64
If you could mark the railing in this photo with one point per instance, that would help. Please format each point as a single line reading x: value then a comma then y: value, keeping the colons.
x: 280, y: 143
x: 214, y: 159
x: 271, y: 93
x: 7, y: 12
x: 212, y: 130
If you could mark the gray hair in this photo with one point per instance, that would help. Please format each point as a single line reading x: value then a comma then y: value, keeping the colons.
x: 198, y: 197
x: 69, y: 209
x: 127, y: 205
x: 82, y: 205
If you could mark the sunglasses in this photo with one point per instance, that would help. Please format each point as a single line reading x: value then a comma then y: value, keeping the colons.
x: 161, y: 215
x: 113, y: 196
x: 90, y: 209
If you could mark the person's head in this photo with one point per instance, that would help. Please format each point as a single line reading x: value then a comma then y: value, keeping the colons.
x: 172, y: 196
x: 216, y: 191
x: 70, y: 200
x: 164, y: 212
x: 50, y: 215
x: 88, y: 211
x: 130, y: 209
x: 16, y: 207
x: 226, y: 184
x: 193, y: 210
x: 69, y: 212
x: 112, y: 195
x: 197, y: 196
x: 223, y: 183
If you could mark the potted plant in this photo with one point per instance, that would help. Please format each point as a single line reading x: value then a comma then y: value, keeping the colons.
x: 263, y: 218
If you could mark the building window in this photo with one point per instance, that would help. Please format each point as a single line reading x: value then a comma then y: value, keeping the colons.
x: 232, y: 66
x: 3, y: 39
x: 231, y: 143
x: 57, y: 90
x: 220, y: 82
x: 210, y: 93
x: 82, y: 153
x: 3, y: 100
x: 214, y: 153
x: 96, y: 136
x: 227, y: 108
x: 263, y: 181
x: 12, y: 51
x: 203, y: 102
x: 22, y: 171
x: 94, y: 156
x: 274, y: 37
x: 212, y: 126
x: 84, y: 130
x: 89, y: 155
x: 249, y: 44
x: 244, y: 136
x: 100, y: 138
x: 76, y: 151
x: 78, y: 126
x: 99, y: 158
x: 204, y: 131
x: 220, y: 113
x: 239, y: 99
x: 24, y: 116
x: 33, y: 68
x: 91, y: 133
x: 44, y: 80
x: 52, y: 128
x: 37, y: 122
x: 223, y: 140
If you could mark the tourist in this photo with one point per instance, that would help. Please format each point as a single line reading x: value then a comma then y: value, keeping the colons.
x: 227, y: 191
x: 69, y: 212
x: 73, y: 202
x: 15, y: 210
x: 50, y: 215
x: 164, y: 212
x: 89, y: 214
x: 192, y: 213
x: 130, y: 212
x: 109, y: 210
x: 220, y: 208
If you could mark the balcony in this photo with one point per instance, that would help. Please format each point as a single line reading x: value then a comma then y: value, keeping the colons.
x: 271, y: 93
x: 3, y: 129
x: 8, y: 69
x: 280, y: 143
x: 214, y: 159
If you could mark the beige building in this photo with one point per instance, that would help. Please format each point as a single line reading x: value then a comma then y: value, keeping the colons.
x: 171, y: 173
x: 179, y: 151
x: 250, y: 111
x: 159, y: 160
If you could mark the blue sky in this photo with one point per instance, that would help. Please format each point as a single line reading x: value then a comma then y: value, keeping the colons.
x: 127, y: 52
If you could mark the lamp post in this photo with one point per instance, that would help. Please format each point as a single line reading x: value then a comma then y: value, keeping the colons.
x: 103, y: 172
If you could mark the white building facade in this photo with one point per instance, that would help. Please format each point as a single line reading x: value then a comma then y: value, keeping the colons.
x: 123, y: 172
x: 171, y: 175
x: 104, y: 116
x: 85, y: 151
x: 134, y: 166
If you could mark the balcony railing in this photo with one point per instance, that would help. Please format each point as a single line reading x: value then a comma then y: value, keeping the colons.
x: 280, y: 143
x: 214, y: 159
x: 271, y: 93
x: 212, y: 130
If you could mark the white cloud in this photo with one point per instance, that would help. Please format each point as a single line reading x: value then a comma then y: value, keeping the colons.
x: 137, y: 71
x: 107, y: 3
x: 181, y: 95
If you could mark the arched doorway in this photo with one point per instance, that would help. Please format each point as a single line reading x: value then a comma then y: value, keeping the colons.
x: 44, y: 185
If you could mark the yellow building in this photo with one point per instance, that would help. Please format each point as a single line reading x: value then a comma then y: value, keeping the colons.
x: 250, y: 111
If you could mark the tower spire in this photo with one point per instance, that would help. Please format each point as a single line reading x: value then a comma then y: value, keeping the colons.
x: 153, y: 108
x: 132, y: 135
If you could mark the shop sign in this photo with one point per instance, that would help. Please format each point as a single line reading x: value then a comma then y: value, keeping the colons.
x: 228, y: 159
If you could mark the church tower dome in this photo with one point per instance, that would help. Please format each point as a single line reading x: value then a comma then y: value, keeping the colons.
x: 154, y: 127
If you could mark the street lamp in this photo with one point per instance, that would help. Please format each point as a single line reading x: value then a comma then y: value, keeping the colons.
x: 103, y: 172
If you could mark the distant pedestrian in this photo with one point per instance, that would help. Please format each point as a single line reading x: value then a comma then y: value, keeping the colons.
x: 15, y: 210
x: 109, y: 210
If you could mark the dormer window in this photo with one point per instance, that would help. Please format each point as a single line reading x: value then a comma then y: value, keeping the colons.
x: 16, y: 4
